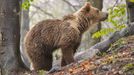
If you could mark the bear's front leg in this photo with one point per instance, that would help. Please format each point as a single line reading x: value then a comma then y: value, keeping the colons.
x: 67, y: 56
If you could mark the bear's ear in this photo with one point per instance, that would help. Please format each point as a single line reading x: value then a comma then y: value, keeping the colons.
x: 86, y: 7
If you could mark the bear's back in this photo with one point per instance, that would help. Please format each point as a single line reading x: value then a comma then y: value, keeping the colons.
x: 45, y: 32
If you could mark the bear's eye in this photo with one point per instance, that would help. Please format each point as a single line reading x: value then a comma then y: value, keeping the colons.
x: 97, y: 11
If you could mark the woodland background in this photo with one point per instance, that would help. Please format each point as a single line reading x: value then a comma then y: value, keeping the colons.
x: 18, y: 16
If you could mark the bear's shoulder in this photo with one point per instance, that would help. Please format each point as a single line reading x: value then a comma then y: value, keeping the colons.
x: 69, y: 17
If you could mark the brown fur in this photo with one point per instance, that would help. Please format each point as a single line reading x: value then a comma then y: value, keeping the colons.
x: 49, y: 35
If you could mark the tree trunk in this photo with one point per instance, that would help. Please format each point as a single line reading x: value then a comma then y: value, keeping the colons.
x: 10, y: 60
x: 130, y: 11
x: 24, y: 30
x: 104, y: 45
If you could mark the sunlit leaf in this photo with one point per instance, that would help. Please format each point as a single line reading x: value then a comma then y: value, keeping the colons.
x: 26, y: 4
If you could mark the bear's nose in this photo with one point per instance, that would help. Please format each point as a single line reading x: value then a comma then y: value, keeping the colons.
x: 106, y: 14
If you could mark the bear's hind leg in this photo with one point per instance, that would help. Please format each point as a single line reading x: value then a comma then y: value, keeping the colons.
x: 40, y: 60
x: 44, y: 63
x: 37, y: 60
x: 48, y: 58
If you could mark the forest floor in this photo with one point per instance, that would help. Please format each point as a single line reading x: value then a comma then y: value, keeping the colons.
x: 118, y: 60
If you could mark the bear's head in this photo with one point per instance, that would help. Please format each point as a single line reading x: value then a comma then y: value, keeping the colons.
x: 91, y: 13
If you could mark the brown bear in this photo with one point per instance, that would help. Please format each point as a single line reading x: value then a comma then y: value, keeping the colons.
x: 51, y: 34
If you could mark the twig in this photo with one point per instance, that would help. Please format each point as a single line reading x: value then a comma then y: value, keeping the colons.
x: 45, y: 12
x: 33, y: 14
x: 116, y: 3
x: 70, y: 4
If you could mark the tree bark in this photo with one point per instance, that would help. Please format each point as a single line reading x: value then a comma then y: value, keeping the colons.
x: 24, y: 30
x: 104, y: 45
x: 10, y: 60
x: 130, y: 11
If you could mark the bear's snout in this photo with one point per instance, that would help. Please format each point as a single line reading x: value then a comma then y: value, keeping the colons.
x: 105, y: 16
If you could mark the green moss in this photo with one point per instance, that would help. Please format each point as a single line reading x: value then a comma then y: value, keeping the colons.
x: 41, y: 72
x: 128, y: 67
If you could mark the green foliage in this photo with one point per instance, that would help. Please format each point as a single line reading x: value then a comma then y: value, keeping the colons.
x: 102, y: 32
x: 131, y: 0
x: 116, y: 18
x: 26, y: 4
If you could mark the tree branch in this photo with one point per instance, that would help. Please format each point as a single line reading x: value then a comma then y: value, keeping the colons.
x: 116, y: 3
x: 45, y: 12
x: 66, y: 1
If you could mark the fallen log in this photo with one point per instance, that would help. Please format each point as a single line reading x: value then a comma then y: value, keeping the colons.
x: 104, y: 45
